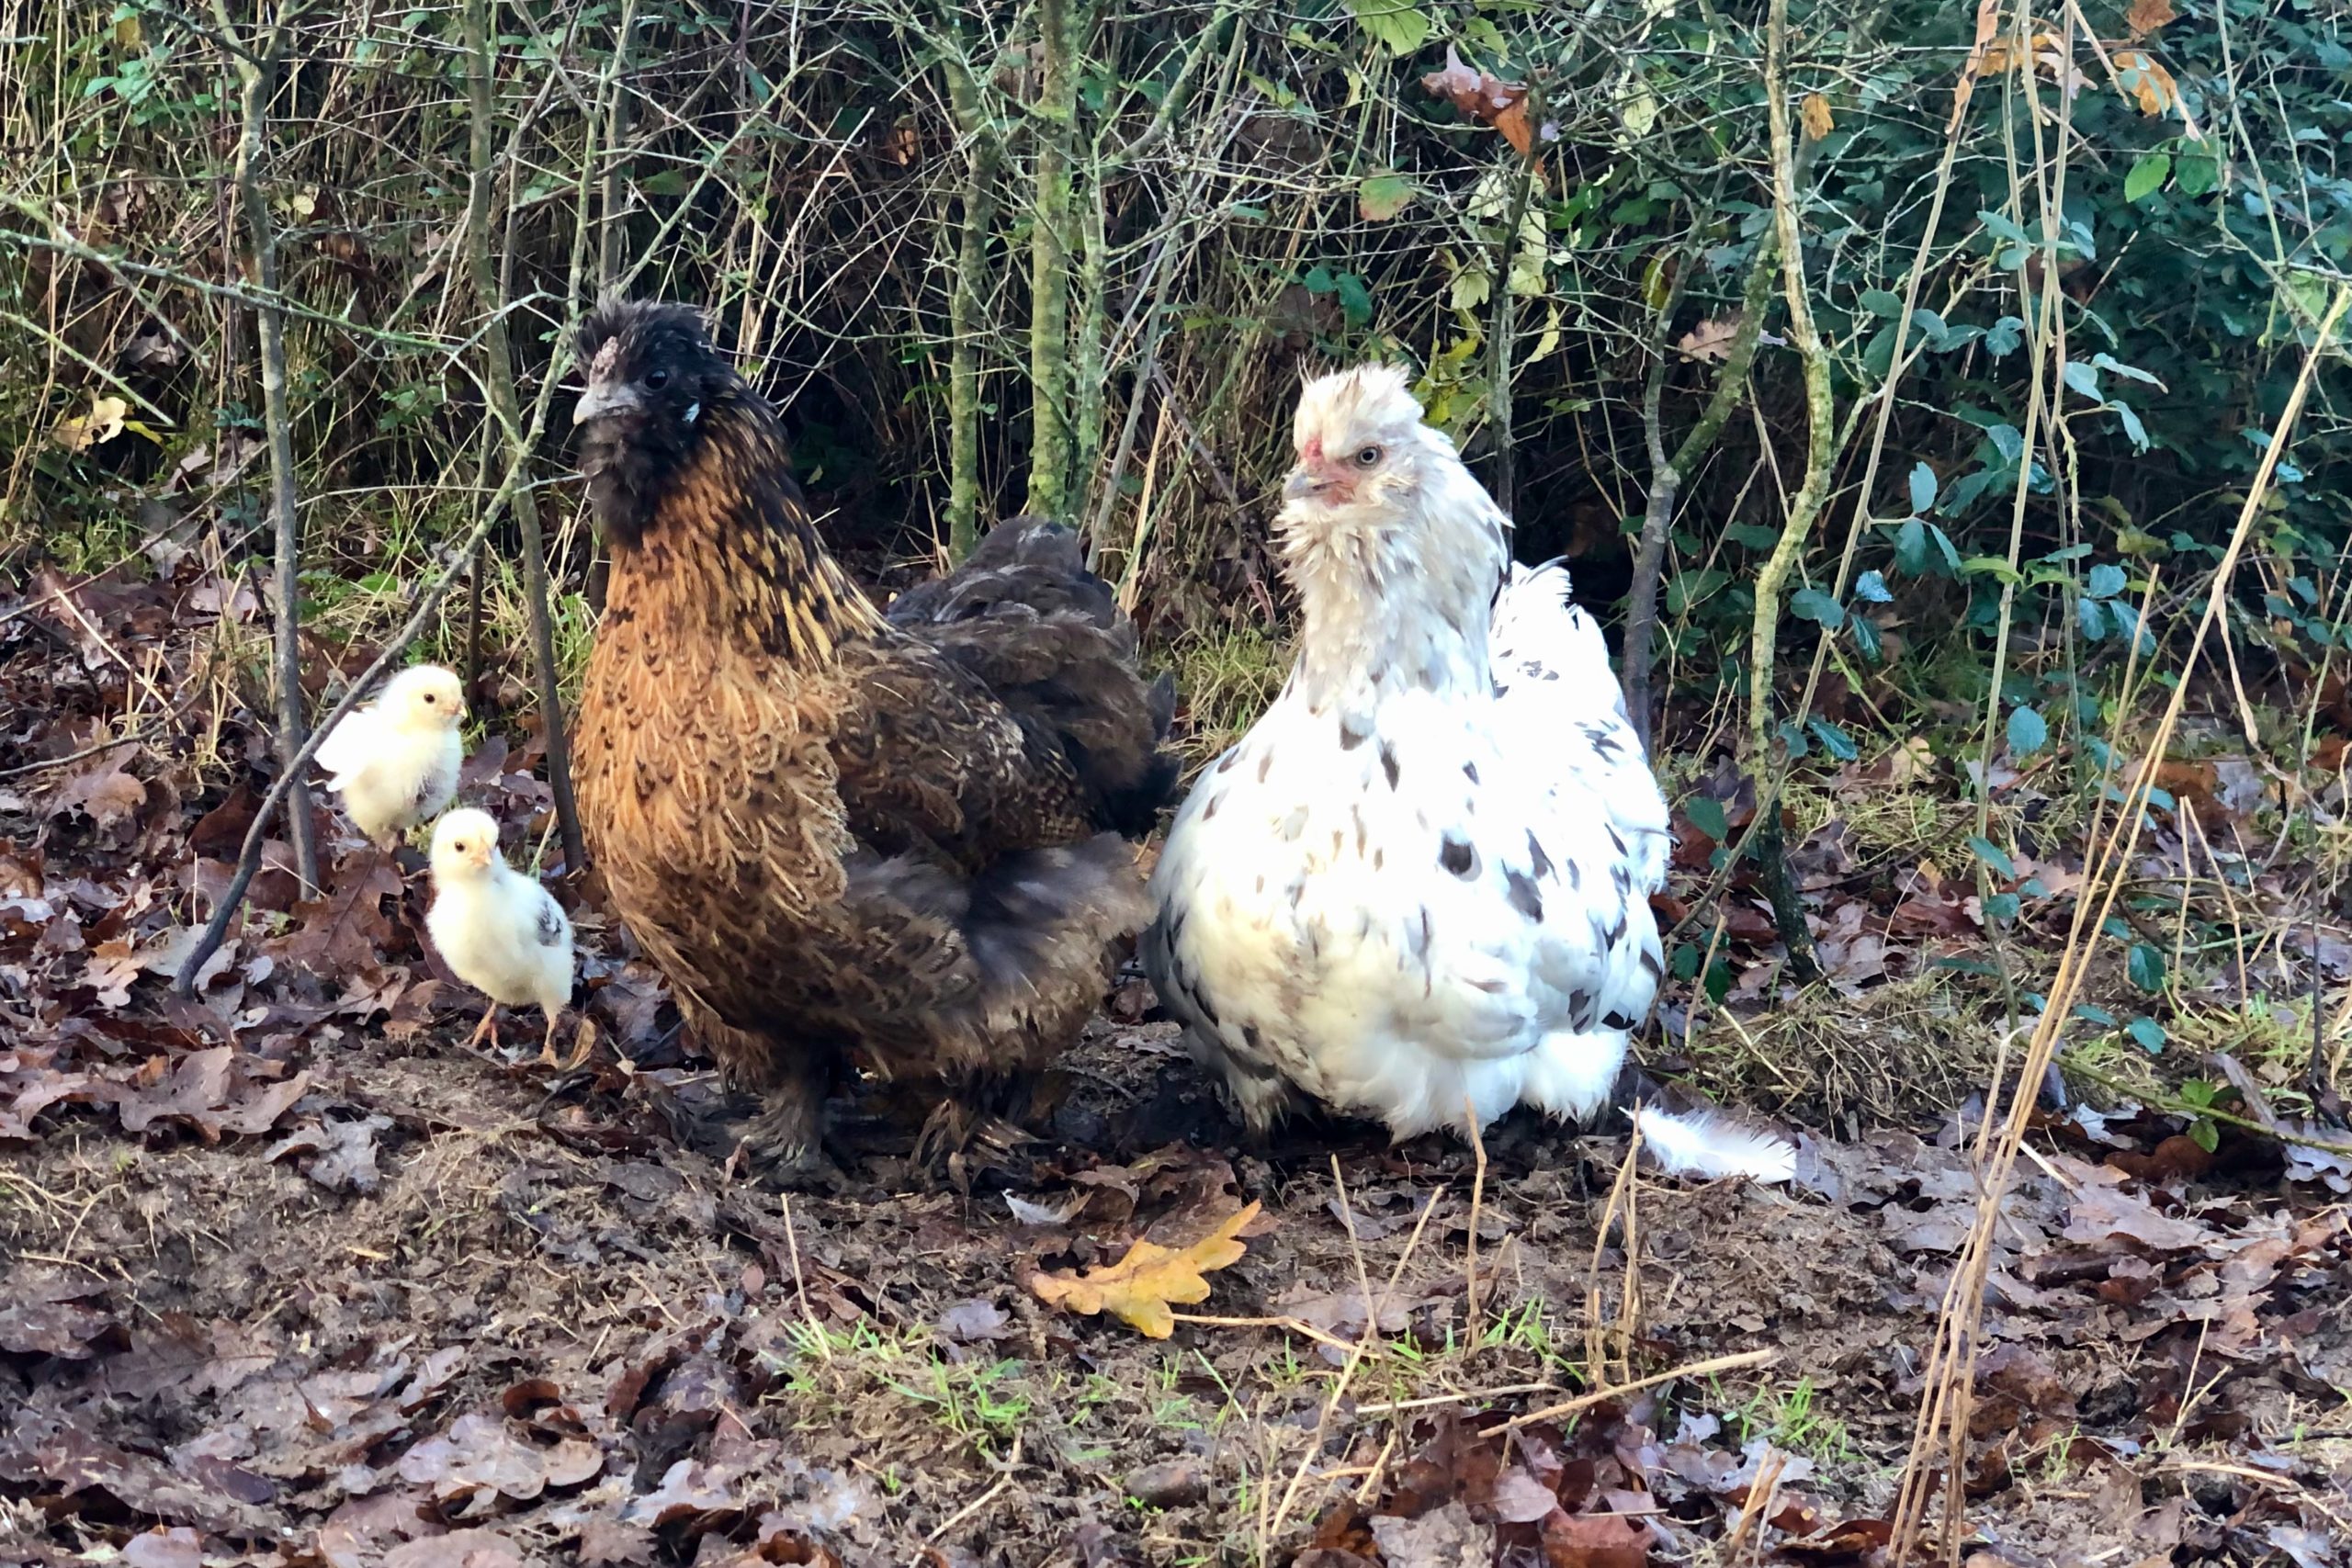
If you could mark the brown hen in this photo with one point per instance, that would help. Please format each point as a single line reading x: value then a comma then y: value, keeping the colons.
x: 891, y: 842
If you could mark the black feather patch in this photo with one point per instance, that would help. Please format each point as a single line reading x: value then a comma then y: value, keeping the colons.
x: 1458, y: 857
x: 1521, y: 896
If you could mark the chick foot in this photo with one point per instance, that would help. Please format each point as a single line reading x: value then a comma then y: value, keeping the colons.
x: 487, y: 1028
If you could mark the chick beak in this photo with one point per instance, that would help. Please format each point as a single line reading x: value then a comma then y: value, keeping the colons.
x: 605, y: 398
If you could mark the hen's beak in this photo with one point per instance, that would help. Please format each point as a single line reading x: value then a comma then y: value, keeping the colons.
x: 606, y: 398
x: 1300, y: 485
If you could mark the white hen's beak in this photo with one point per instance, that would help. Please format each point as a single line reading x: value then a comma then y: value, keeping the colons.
x: 606, y: 398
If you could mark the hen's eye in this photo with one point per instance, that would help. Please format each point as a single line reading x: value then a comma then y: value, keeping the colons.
x: 1367, y: 457
x: 657, y: 378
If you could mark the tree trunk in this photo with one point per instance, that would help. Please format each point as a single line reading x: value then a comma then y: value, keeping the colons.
x: 258, y: 76
x: 968, y: 306
x: 1052, y: 450
x: 498, y: 375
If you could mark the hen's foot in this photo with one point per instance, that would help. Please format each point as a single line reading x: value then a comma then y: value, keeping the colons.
x: 960, y: 1141
x: 785, y: 1144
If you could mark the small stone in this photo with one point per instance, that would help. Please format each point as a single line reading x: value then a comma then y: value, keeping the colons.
x: 1169, y: 1484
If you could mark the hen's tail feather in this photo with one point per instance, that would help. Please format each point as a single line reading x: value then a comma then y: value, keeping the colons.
x: 1049, y: 640
x: 1709, y: 1144
x: 1024, y: 565
x: 1040, y: 927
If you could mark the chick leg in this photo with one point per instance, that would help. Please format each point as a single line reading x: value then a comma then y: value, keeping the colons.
x: 487, y: 1027
x: 547, y: 1042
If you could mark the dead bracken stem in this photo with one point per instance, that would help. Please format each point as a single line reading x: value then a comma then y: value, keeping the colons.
x: 1600, y: 1358
x: 1939, y: 1447
x: 1270, y: 1529
x: 1478, y: 1200
x: 817, y: 1334
x: 1708, y: 1367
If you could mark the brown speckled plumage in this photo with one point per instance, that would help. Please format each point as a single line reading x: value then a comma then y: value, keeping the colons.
x: 845, y: 836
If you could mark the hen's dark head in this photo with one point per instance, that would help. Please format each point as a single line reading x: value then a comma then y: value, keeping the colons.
x: 652, y: 375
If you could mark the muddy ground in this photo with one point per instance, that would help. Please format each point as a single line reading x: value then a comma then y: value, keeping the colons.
x: 365, y: 1297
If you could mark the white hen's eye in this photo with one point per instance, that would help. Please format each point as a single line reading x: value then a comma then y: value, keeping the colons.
x: 1368, y: 458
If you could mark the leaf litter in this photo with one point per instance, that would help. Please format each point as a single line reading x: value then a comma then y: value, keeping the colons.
x: 293, y: 1280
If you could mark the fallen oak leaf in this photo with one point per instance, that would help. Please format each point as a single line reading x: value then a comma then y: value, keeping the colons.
x: 1140, y: 1287
x: 2147, y: 16
x: 1711, y: 339
x: 1818, y: 121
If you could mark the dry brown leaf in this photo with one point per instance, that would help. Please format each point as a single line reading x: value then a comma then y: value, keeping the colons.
x: 1710, y: 340
x: 1140, y: 1287
x: 1818, y: 121
x: 83, y: 431
x: 2147, y: 16
x: 2145, y: 82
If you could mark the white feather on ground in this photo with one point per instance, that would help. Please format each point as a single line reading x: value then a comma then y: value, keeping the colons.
x: 394, y: 761
x: 499, y: 931
x: 1419, y: 886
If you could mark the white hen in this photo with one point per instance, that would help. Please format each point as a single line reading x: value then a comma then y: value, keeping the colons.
x: 1420, y: 883
x: 500, y: 931
x: 395, y: 761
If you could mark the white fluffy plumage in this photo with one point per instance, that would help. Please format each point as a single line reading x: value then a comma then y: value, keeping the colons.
x: 1420, y: 883
x: 498, y: 929
x: 395, y: 761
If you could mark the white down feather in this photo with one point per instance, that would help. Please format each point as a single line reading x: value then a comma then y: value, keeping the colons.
x: 394, y: 761
x: 1419, y: 884
x: 498, y: 929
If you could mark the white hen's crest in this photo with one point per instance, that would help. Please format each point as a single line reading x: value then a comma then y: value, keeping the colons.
x: 1417, y: 889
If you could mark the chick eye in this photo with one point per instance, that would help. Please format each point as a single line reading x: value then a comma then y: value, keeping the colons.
x: 430, y: 699
x: 657, y: 378
x: 1368, y: 458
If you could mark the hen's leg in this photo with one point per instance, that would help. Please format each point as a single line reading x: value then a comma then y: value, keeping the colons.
x: 786, y: 1140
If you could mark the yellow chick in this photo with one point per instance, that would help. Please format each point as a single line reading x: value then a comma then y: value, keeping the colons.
x: 395, y: 761
x: 501, y: 932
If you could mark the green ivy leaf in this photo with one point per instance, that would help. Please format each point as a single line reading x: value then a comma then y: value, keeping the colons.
x: 1911, y: 545
x: 1706, y: 813
x: 2002, y: 907
x: 1923, y: 488
x: 1864, y: 631
x: 2003, y: 228
x: 1949, y: 551
x: 2091, y: 615
x: 1755, y: 535
x: 1383, y: 197
x: 2145, y: 965
x: 2002, y: 338
x: 1398, y: 26
x: 1355, y: 300
x: 2029, y: 732
x: 1814, y: 605
x: 2196, y: 173
x: 2148, y: 1034
x: 1834, y: 740
x: 2149, y: 171
x: 1880, y: 303
x: 2203, y: 1132
x: 1993, y: 855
